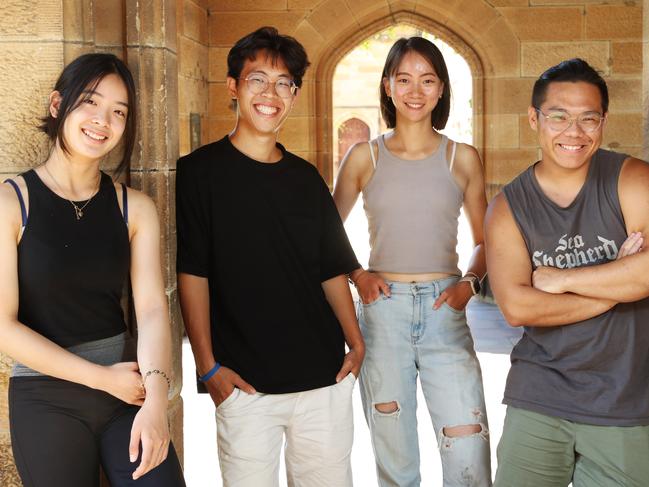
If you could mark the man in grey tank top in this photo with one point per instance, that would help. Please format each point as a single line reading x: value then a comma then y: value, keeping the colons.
x: 563, y: 244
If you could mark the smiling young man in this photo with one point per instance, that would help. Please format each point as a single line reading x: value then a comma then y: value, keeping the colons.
x: 262, y: 264
x: 577, y: 395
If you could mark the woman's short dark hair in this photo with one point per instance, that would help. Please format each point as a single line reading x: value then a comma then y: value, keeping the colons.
x: 432, y: 54
x: 276, y: 46
x: 83, y: 75
x: 572, y: 70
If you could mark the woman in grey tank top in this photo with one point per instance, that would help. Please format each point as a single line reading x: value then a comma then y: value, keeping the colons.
x: 414, y: 182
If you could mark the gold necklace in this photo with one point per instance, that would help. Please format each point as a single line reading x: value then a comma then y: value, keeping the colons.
x: 78, y: 211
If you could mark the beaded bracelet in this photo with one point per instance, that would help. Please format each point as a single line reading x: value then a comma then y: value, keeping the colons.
x: 159, y: 372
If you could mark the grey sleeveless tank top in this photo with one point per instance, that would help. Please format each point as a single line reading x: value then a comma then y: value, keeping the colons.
x: 412, y: 210
x: 594, y: 371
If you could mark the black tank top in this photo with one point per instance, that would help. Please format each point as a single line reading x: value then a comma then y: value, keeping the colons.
x: 71, y: 272
x: 594, y: 371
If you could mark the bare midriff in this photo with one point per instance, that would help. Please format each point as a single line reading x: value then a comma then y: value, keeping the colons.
x: 428, y: 276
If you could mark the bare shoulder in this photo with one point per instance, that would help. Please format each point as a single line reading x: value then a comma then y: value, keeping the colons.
x: 632, y: 169
x: 633, y: 193
x: 10, y: 211
x: 467, y: 157
x: 467, y: 168
x: 140, y: 205
x: 497, y: 210
x: 358, y: 157
x: 633, y: 183
x: 357, y: 167
x: 9, y: 204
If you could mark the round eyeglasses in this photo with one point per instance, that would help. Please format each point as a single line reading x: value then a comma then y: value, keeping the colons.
x: 257, y: 84
x: 559, y: 120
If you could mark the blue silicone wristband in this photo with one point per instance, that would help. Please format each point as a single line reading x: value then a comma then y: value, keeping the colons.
x: 210, y: 373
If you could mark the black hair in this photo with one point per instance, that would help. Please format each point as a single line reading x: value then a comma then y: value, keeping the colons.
x: 432, y: 54
x: 276, y: 46
x: 572, y: 70
x: 84, y: 74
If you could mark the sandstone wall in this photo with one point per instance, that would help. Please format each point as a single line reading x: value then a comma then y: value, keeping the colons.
x: 193, y: 71
x: 645, y: 80
x: 508, y: 43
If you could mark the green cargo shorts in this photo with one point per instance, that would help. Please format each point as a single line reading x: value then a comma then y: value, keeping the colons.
x: 536, y: 450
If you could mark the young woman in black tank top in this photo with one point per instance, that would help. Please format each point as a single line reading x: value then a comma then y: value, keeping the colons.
x: 70, y: 238
x: 411, y: 313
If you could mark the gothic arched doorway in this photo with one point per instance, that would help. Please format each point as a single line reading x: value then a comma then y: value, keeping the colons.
x: 355, y: 93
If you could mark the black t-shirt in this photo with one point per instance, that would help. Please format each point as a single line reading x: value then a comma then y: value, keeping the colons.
x: 265, y: 235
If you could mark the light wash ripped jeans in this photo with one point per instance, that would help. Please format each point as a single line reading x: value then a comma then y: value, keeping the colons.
x: 405, y: 337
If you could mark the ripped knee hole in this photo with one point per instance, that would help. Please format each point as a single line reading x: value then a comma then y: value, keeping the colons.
x: 462, y: 430
x: 387, y: 407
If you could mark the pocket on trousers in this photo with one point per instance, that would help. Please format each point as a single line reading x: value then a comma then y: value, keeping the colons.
x: 348, y: 381
x: 381, y: 298
x: 459, y: 312
x: 230, y: 399
x: 350, y: 378
x: 344, y: 391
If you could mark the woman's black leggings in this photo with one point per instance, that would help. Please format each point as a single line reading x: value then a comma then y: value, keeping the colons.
x: 61, y: 432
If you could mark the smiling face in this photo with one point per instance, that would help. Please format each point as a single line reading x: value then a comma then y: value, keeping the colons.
x: 261, y: 113
x: 415, y: 88
x: 573, y: 147
x: 97, y: 124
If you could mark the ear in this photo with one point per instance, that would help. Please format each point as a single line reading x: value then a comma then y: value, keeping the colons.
x: 297, y: 93
x: 55, y: 103
x: 386, y: 86
x: 231, y: 85
x: 532, y: 117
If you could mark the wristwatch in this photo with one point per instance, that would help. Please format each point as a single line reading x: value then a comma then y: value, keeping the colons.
x: 473, y: 280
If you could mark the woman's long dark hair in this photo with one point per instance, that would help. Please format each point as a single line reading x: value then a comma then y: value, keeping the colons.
x: 432, y: 54
x: 84, y: 74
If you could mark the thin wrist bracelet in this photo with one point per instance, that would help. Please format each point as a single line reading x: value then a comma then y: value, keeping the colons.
x: 349, y: 276
x: 159, y: 372
x: 210, y: 373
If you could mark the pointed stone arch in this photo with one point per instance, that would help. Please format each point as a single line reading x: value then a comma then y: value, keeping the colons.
x: 475, y: 40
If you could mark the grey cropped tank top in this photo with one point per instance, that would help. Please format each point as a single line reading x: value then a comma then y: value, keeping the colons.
x: 412, y: 210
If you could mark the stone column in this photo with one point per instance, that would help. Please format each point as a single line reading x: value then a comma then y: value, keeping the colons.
x: 31, y: 55
x: 645, y: 80
x: 151, y: 55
